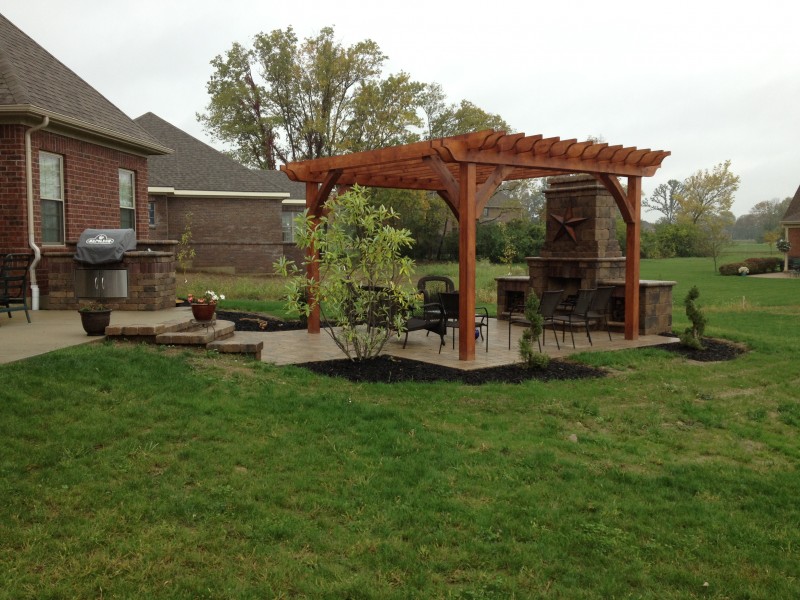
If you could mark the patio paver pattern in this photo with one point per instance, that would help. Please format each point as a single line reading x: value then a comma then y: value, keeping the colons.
x: 52, y: 330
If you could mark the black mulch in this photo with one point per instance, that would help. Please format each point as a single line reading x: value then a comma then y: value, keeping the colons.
x: 391, y: 369
x: 714, y: 350
x: 257, y: 322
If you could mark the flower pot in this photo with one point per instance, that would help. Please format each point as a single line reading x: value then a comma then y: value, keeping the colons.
x: 95, y: 321
x: 203, y: 312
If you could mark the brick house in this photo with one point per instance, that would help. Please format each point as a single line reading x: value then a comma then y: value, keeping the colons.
x: 69, y: 159
x: 501, y: 208
x: 240, y: 219
x: 791, y: 225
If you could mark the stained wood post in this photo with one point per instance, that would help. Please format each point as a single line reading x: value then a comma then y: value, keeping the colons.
x: 466, y: 259
x: 632, y: 254
x: 312, y: 269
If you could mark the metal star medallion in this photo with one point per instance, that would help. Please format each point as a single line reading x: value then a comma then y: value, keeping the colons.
x: 567, y: 224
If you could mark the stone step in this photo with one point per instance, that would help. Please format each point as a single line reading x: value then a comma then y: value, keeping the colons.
x: 198, y: 335
x: 239, y: 343
x: 149, y: 331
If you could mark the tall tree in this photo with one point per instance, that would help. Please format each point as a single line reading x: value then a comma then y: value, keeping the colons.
x: 285, y: 99
x: 664, y: 200
x: 239, y: 112
x: 708, y: 193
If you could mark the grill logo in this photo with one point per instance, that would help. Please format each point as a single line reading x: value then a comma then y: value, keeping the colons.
x: 101, y: 239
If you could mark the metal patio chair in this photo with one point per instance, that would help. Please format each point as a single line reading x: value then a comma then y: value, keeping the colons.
x: 578, y: 316
x: 547, y: 308
x: 450, y: 305
x: 14, y: 283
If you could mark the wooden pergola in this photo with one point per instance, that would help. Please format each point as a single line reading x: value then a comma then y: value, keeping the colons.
x: 465, y: 170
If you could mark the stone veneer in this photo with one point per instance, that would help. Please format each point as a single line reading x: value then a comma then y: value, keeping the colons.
x: 592, y: 259
x: 151, y: 278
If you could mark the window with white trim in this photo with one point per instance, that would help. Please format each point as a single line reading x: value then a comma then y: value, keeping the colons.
x: 51, y: 195
x: 288, y: 224
x: 127, y: 199
x: 151, y: 213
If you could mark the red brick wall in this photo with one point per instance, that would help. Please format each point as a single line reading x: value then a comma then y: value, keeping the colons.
x: 240, y: 235
x: 91, y: 184
x: 13, y: 210
x: 91, y: 189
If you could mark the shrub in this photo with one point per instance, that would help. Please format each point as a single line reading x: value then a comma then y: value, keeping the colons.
x: 531, y: 358
x: 754, y: 265
x: 693, y: 336
x: 361, y: 270
x: 731, y: 268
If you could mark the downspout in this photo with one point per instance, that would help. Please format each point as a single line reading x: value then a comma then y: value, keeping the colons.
x: 37, y: 253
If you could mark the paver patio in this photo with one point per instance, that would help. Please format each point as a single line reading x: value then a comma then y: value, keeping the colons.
x: 52, y: 330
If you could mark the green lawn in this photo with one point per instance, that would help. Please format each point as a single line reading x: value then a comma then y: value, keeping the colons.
x: 129, y: 472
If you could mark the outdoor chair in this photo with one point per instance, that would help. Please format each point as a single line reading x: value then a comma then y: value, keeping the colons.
x: 547, y: 308
x: 431, y: 285
x: 578, y: 316
x: 450, y: 306
x: 429, y: 317
x: 599, y: 308
x: 14, y: 283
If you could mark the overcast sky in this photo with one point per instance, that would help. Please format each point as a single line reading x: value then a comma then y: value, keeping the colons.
x: 706, y: 80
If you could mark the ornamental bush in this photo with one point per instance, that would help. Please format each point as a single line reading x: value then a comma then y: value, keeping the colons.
x: 693, y: 336
x: 531, y: 358
x: 364, y: 291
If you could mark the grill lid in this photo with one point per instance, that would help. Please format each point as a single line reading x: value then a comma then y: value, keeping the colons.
x: 103, y: 246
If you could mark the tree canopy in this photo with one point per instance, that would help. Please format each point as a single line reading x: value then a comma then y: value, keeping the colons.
x: 285, y: 99
x: 707, y: 193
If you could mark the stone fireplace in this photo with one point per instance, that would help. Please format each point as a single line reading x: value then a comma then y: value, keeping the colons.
x: 581, y: 248
x: 581, y: 251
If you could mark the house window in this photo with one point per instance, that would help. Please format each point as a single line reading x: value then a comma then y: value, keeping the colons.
x: 287, y: 218
x: 127, y: 200
x: 51, y: 194
x: 485, y: 212
x: 151, y: 213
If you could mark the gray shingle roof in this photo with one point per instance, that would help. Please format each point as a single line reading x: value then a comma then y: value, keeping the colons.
x: 197, y: 166
x: 793, y: 210
x: 32, y: 77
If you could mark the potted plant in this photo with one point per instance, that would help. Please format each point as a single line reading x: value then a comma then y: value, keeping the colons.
x: 205, y: 305
x: 95, y: 317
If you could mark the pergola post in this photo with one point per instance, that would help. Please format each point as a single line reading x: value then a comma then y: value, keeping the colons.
x: 632, y: 254
x: 312, y: 267
x: 467, y: 236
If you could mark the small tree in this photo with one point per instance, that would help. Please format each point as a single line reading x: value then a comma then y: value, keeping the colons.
x: 693, y: 336
x: 531, y: 358
x: 186, y: 251
x: 359, y: 291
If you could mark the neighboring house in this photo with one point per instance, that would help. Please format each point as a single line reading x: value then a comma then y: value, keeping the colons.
x: 240, y: 219
x: 88, y: 160
x: 791, y: 225
x: 501, y: 208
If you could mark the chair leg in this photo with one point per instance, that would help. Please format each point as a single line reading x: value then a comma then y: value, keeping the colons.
x: 589, y: 335
x: 555, y: 335
x: 405, y: 341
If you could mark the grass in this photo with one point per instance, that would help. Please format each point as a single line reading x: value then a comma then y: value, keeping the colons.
x: 211, y: 477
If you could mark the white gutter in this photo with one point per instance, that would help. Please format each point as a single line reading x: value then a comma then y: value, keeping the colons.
x: 37, y: 253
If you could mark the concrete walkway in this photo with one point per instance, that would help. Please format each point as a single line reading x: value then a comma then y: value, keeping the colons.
x: 52, y: 330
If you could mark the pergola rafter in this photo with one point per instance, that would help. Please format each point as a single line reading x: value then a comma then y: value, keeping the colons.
x: 465, y: 170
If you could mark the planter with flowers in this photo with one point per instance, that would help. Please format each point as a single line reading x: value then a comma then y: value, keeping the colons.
x: 743, y: 270
x: 95, y: 317
x: 205, y: 305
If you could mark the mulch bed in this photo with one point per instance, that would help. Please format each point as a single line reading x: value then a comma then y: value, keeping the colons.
x: 714, y: 350
x: 392, y: 369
